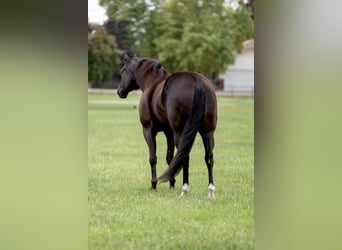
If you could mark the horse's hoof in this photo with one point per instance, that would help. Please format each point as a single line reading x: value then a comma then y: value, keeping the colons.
x: 211, y: 194
x: 185, y: 189
x: 172, y: 183
x: 154, y: 185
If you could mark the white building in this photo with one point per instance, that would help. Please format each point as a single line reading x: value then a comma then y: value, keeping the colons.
x: 239, y: 78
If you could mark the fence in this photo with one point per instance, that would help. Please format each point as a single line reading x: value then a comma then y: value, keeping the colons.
x: 231, y: 91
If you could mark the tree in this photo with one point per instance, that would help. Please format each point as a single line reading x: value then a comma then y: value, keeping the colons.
x: 192, y: 35
x: 243, y: 26
x: 119, y: 30
x: 136, y: 13
x: 103, y: 57
x: 250, y: 7
x: 195, y: 36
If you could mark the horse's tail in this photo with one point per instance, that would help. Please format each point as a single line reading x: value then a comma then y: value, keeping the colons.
x: 188, y: 135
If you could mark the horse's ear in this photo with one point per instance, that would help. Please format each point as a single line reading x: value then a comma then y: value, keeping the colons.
x: 134, y: 56
x: 126, y: 58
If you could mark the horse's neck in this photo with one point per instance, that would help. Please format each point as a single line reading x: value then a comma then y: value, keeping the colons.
x: 151, y: 83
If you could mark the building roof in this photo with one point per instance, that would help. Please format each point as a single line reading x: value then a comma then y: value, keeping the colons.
x: 248, y: 45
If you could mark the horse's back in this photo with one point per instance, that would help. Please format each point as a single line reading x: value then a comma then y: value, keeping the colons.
x: 178, y: 98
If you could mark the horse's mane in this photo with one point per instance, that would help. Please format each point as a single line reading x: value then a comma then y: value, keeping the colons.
x: 150, y: 66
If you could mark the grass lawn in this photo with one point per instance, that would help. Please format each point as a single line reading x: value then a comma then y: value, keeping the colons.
x: 124, y: 213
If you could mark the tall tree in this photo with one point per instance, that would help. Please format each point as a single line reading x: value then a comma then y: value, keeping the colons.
x: 102, y: 54
x: 195, y: 36
x: 243, y: 26
x: 136, y: 13
x: 250, y: 7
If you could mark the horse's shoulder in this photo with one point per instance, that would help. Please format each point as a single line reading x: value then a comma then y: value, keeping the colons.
x: 144, y: 109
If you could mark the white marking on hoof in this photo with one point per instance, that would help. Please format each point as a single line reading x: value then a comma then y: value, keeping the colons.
x: 211, y: 193
x: 185, y: 189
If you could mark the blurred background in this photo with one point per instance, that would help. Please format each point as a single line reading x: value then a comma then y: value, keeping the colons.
x: 215, y: 38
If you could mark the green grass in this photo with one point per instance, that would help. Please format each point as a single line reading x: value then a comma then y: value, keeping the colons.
x: 124, y: 213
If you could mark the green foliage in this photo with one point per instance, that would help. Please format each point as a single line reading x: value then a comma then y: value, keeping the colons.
x: 103, y: 57
x: 195, y: 36
x: 138, y: 16
x: 243, y: 26
x: 124, y: 213
x: 186, y: 35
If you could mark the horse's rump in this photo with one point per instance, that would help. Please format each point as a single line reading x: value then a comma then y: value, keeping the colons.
x: 186, y: 106
x: 178, y: 96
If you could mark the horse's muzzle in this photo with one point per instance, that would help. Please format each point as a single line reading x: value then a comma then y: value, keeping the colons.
x: 122, y: 93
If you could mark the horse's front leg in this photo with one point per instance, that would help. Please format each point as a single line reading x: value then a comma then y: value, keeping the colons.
x: 150, y: 137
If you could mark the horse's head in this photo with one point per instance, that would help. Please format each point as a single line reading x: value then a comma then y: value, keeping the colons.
x: 128, y: 81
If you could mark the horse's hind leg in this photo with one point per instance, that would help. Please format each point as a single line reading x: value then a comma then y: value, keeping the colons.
x: 186, y: 187
x: 170, y: 152
x: 185, y: 165
x: 208, y: 142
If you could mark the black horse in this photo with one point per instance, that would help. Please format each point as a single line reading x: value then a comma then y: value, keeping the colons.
x: 180, y: 105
